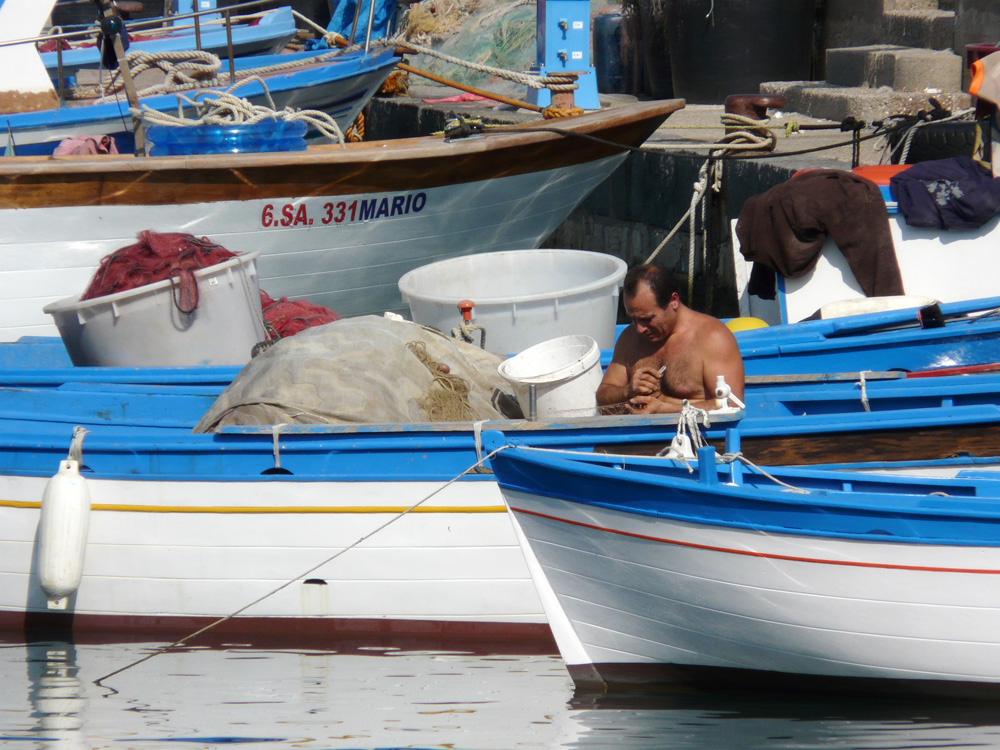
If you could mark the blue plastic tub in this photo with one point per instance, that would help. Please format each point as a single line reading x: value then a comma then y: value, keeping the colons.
x: 266, y: 135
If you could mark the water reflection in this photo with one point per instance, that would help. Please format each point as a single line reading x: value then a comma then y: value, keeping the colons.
x: 203, y: 697
x: 56, y: 694
x: 361, y: 697
x: 683, y: 719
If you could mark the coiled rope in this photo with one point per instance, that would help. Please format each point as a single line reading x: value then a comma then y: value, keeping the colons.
x: 224, y: 108
x: 447, y: 397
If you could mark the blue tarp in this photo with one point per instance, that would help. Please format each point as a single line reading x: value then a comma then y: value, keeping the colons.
x: 343, y: 18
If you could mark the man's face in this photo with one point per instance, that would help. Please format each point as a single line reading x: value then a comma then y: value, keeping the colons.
x: 653, y: 322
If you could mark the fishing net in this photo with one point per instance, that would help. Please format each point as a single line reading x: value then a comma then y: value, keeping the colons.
x: 498, y: 33
x: 155, y: 257
x: 364, y: 370
x: 489, y: 32
x: 284, y: 317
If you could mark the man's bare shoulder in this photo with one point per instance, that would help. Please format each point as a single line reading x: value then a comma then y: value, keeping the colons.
x: 714, y: 333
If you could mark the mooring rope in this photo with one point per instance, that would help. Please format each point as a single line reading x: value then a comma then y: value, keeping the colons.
x: 907, y: 140
x: 302, y: 575
x: 553, y: 82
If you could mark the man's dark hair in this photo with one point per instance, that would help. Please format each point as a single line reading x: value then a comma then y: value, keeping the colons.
x: 655, y: 278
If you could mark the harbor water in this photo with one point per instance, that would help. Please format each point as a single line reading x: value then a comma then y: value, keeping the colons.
x: 364, y: 697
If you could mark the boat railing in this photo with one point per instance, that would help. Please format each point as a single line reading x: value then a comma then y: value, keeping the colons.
x: 197, y: 22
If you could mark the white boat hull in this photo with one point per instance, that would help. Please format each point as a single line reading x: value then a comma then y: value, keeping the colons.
x: 310, y: 247
x: 633, y: 599
x: 165, y: 557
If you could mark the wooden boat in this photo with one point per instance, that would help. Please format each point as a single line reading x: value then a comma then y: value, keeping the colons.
x: 339, y: 84
x: 253, y: 32
x: 337, y: 226
x: 649, y: 573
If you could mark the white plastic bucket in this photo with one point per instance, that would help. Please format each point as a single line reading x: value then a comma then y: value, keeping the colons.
x: 142, y: 327
x: 565, y: 372
x: 522, y: 297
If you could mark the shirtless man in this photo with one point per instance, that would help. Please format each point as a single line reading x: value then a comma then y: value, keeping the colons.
x: 690, y: 348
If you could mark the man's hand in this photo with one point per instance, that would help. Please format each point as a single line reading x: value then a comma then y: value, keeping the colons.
x: 652, y: 405
x: 645, y: 382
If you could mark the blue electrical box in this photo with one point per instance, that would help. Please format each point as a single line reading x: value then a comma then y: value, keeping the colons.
x: 562, y: 37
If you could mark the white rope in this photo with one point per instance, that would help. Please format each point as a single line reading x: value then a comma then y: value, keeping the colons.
x: 464, y: 333
x: 188, y: 69
x: 885, y: 146
x: 276, y: 443
x: 864, y: 390
x: 76, y: 444
x: 700, y: 186
x: 688, y: 439
x: 553, y: 82
x: 752, y: 135
x: 224, y: 108
x: 728, y: 458
x: 304, y: 574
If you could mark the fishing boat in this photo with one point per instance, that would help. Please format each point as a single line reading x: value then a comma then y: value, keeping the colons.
x: 253, y: 32
x: 335, y: 225
x: 783, y: 580
x: 338, y: 83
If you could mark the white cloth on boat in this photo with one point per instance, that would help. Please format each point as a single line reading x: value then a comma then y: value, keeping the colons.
x: 357, y: 370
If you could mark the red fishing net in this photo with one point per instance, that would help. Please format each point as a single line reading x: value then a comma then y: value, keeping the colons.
x: 163, y: 255
x: 155, y: 257
x: 287, y: 317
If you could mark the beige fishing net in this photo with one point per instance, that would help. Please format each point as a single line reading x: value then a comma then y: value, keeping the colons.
x: 366, y: 369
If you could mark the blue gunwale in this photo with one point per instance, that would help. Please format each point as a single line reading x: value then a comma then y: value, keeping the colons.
x: 841, y: 505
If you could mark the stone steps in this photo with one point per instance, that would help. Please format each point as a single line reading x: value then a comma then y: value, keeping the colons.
x: 899, y: 67
x: 826, y: 101
x: 871, y: 81
x: 927, y: 29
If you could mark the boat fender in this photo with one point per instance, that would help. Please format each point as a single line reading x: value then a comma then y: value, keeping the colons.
x: 62, y: 533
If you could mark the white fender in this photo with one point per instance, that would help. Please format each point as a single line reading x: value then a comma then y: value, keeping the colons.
x: 62, y: 533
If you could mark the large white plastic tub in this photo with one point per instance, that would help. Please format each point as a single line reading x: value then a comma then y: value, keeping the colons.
x: 143, y: 328
x: 522, y: 297
x: 565, y: 373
